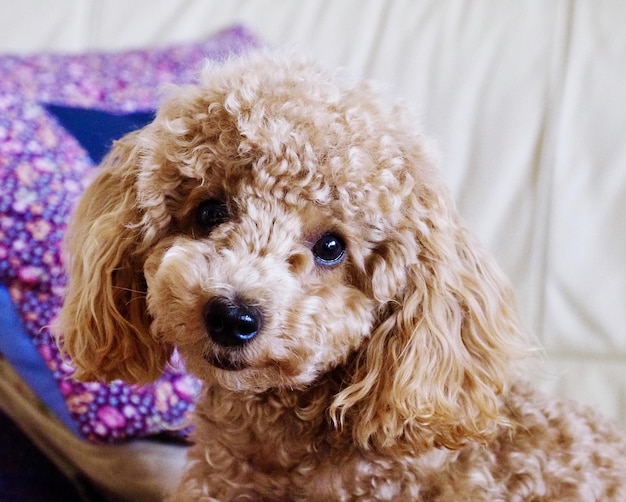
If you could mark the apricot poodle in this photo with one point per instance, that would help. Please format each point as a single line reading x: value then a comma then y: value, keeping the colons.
x: 285, y: 230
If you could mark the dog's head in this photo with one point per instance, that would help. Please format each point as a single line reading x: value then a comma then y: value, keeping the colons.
x: 272, y: 224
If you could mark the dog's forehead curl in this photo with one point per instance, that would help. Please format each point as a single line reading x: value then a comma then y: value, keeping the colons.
x: 287, y: 130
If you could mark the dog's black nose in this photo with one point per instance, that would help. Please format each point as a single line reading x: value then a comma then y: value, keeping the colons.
x: 231, y: 324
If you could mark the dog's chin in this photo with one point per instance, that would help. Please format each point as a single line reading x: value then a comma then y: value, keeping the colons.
x: 240, y: 378
x: 238, y: 375
x: 226, y: 363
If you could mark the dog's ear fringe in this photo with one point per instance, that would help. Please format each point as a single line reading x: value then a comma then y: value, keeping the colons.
x: 434, y: 369
x: 103, y: 325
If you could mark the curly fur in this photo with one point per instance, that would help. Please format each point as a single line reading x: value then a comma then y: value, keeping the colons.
x: 386, y: 376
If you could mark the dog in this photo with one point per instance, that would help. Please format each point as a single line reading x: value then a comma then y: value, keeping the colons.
x: 287, y: 232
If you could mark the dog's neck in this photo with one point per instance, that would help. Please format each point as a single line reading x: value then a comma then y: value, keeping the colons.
x: 275, y: 430
x: 281, y: 418
x: 282, y: 431
x: 308, y: 405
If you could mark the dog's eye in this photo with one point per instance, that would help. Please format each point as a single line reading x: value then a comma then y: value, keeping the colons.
x: 329, y: 250
x: 211, y: 213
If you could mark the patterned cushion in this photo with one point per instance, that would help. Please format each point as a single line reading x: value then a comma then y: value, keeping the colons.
x: 45, y: 163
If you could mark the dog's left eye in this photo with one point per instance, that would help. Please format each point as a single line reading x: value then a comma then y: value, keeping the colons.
x: 211, y: 213
x: 329, y: 250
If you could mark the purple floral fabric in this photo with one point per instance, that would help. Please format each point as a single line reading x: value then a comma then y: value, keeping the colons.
x: 43, y: 171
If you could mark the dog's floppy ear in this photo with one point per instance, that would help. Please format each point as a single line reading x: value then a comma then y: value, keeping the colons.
x: 433, y: 370
x: 103, y: 325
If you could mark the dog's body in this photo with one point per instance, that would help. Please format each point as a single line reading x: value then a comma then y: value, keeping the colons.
x: 555, y: 451
x: 288, y: 234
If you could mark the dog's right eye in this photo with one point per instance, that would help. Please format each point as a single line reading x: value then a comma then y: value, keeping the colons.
x: 211, y: 213
x: 329, y: 250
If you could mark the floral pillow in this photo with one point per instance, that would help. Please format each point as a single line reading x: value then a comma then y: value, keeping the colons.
x: 58, y: 116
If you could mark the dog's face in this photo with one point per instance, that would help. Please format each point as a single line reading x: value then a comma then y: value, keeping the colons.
x: 273, y: 223
x: 271, y: 203
x: 257, y: 290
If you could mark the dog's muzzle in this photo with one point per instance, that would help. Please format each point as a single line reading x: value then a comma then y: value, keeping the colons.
x: 231, y: 323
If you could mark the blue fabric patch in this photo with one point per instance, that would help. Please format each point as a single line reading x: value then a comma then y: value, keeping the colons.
x: 20, y: 351
x: 96, y: 130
